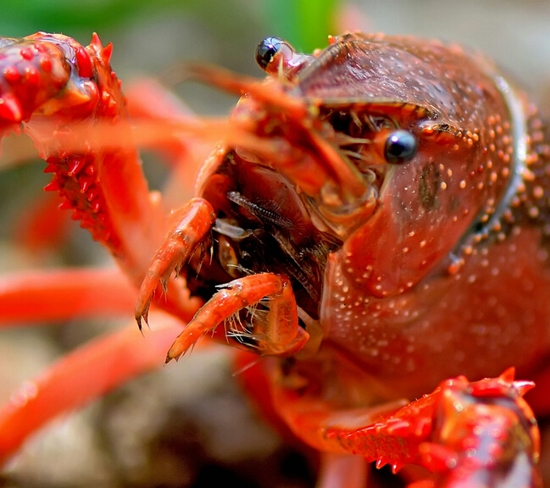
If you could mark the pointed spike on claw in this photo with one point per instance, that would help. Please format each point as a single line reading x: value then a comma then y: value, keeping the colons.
x: 84, y: 63
x: 523, y: 387
x: 76, y: 165
x: 380, y: 464
x: 508, y: 376
x: 52, y: 186
x: 96, y: 42
x: 106, y: 53
x: 10, y: 108
x: 396, y: 467
x: 65, y: 205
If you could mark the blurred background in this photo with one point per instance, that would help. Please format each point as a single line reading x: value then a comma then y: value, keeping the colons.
x: 189, y: 425
x: 148, y: 37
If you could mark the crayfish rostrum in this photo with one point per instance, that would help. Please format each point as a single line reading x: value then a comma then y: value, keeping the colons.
x: 373, y: 224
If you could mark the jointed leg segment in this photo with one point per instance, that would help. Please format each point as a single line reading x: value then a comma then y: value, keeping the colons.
x: 278, y: 333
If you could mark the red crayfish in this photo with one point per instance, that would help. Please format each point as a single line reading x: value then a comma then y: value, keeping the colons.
x: 373, y: 224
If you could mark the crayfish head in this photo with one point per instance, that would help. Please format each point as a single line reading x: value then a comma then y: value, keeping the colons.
x: 434, y: 140
x: 381, y: 159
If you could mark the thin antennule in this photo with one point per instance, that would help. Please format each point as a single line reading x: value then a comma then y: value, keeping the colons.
x: 269, y: 91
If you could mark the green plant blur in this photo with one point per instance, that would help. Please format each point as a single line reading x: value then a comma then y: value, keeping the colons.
x: 305, y: 23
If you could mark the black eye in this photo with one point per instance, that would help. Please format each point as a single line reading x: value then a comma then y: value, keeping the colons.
x: 400, y: 147
x: 266, y: 50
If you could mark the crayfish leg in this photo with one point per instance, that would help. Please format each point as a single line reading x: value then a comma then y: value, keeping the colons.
x: 278, y: 333
x: 85, y: 374
x: 50, y: 295
x: 193, y: 222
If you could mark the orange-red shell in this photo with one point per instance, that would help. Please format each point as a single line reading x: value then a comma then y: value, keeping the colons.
x: 439, y: 277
